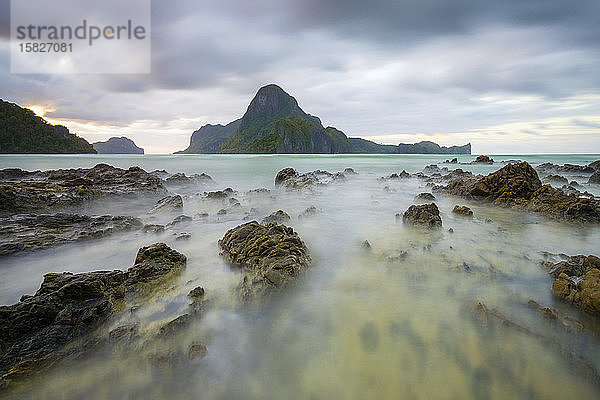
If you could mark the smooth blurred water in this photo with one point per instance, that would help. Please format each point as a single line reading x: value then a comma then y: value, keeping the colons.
x: 392, y: 323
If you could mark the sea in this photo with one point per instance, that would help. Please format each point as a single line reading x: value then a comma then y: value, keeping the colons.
x: 396, y: 321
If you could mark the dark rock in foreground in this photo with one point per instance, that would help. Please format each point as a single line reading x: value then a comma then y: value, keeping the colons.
x: 578, y: 282
x: 31, y: 232
x: 23, y: 191
x: 272, y: 255
x: 426, y: 215
x: 66, y: 307
x: 518, y: 185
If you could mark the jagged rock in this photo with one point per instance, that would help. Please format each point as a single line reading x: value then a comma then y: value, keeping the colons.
x: 578, y: 282
x: 453, y: 161
x: 462, y: 210
x: 434, y: 170
x: 168, y: 204
x: 366, y: 245
x: 41, y: 191
x: 35, y: 331
x: 289, y: 178
x: 196, y: 292
x: 279, y: 216
x: 595, y: 178
x: 595, y: 165
x: 557, y: 179
x: 153, y: 228
x: 350, y: 171
x: 483, y: 160
x: 272, y: 256
x: 183, y: 179
x: 425, y: 197
x: 32, y: 232
x: 568, y: 168
x: 426, y: 215
x: 174, y: 326
x: 222, y: 211
x: 179, y: 220
x: 401, y: 175
x: 220, y: 194
x: 183, y: 236
x: 557, y: 204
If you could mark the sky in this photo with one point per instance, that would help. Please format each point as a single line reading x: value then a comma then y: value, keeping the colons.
x: 508, y: 76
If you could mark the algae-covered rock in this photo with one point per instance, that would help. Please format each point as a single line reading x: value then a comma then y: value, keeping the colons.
x: 34, y: 332
x: 272, y: 255
x: 556, y: 203
x: 427, y: 215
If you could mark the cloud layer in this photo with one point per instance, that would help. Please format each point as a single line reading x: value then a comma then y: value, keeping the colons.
x: 510, y: 77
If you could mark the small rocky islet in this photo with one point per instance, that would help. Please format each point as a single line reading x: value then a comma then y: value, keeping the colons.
x: 65, y: 317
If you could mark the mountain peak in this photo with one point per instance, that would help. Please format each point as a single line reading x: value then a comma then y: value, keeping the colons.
x: 271, y: 100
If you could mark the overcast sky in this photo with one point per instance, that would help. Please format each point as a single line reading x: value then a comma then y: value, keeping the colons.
x: 509, y: 76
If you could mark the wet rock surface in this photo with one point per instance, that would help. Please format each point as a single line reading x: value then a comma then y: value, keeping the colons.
x: 289, y: 178
x: 518, y: 185
x: 578, y: 282
x: 462, y: 211
x: 595, y: 178
x: 278, y: 216
x: 23, y: 191
x: 566, y: 168
x: 425, y: 215
x: 168, y: 204
x: 483, y: 160
x: 272, y: 256
x: 28, y: 232
x: 36, y: 332
x: 424, y: 197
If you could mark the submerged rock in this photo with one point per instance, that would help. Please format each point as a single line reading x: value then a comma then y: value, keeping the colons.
x: 424, y: 197
x: 32, y: 232
x: 272, y: 256
x: 220, y: 194
x: 557, y: 179
x: 66, y: 307
x: 182, y: 179
x: 279, y: 216
x: 568, y: 168
x: 289, y: 178
x: 462, y: 210
x: 23, y: 191
x: 309, y: 212
x: 427, y: 215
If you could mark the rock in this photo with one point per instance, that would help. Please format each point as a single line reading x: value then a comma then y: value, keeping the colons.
x: 272, y: 255
x: 153, y: 228
x: 168, y: 204
x: 453, y: 161
x: 557, y: 179
x: 595, y: 178
x: 595, y: 165
x: 557, y: 204
x: 309, y: 212
x: 366, y: 245
x: 33, y: 232
x: 426, y: 197
x: 179, y: 220
x: 182, y: 179
x: 483, y: 160
x: 426, y: 215
x: 450, y: 230
x: 123, y: 333
x: 183, y: 236
x: 43, y: 191
x: 174, y: 326
x: 66, y: 307
x: 350, y: 171
x: 196, y: 293
x: 578, y: 282
x: 222, y: 211
x: 289, y: 178
x: 434, y: 170
x: 568, y: 168
x: 197, y: 350
x: 463, y: 211
x: 279, y: 216
x: 401, y: 175
x: 220, y: 194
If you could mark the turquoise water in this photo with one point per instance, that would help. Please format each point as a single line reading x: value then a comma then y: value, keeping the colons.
x: 393, y: 323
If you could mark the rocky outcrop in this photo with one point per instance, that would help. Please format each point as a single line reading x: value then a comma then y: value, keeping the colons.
x: 31, y: 232
x: 595, y: 178
x: 289, y: 178
x: 180, y: 179
x: 426, y: 215
x: 578, y: 282
x: 518, y: 185
x: 462, y: 211
x: 483, y: 160
x: 271, y: 255
x: 34, y: 333
x: 42, y: 191
x: 567, y: 168
x: 424, y: 197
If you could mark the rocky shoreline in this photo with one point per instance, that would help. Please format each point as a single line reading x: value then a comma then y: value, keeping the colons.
x: 63, y: 319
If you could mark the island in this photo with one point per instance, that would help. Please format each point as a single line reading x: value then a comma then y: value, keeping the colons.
x: 118, y: 145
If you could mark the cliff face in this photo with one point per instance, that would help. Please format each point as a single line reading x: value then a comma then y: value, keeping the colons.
x: 118, y: 145
x: 275, y: 123
x: 432, y: 148
x: 21, y: 131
